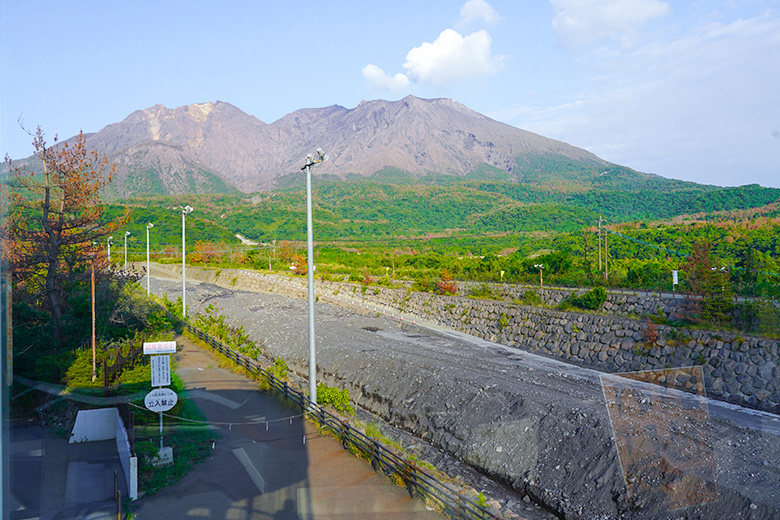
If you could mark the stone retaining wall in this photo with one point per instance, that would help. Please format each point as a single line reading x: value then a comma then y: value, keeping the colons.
x: 744, y: 370
x: 624, y: 304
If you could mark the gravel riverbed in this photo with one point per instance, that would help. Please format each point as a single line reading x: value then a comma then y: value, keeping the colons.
x: 532, y: 432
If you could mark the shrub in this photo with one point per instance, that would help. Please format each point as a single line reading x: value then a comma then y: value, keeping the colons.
x: 279, y: 369
x: 650, y: 334
x: 424, y: 285
x: 482, y: 291
x: 338, y: 398
x: 531, y: 298
x: 503, y: 320
x: 591, y: 300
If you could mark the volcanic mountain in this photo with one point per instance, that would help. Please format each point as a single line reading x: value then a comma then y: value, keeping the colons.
x: 215, y: 147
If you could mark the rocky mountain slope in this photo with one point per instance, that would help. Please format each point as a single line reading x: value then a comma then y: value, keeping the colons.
x: 215, y: 147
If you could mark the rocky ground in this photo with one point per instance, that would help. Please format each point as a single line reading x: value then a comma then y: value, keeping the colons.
x: 539, y: 426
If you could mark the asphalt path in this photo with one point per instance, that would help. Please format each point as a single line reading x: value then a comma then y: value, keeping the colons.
x: 269, y: 463
x: 431, y: 361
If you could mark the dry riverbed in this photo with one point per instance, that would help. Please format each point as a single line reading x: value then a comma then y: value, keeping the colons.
x: 538, y: 427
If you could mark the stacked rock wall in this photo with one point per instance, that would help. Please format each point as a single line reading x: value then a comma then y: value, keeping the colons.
x: 743, y: 370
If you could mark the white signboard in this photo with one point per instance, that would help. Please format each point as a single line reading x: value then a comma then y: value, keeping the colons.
x: 161, y: 400
x: 674, y: 277
x: 161, y: 370
x: 160, y: 347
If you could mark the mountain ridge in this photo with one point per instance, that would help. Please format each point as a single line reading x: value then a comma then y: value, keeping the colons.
x: 419, y: 136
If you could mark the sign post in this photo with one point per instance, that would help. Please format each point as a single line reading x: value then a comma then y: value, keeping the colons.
x: 161, y: 399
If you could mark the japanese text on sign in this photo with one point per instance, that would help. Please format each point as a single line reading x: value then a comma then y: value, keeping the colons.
x: 161, y: 370
x: 160, y: 347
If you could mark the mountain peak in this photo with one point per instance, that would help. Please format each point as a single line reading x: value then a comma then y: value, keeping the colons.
x: 199, y: 112
x: 416, y: 135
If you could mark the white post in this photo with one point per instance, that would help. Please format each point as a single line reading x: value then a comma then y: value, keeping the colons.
x: 148, y: 271
x: 110, y: 241
x: 184, y: 211
x: 127, y: 234
x: 183, y: 273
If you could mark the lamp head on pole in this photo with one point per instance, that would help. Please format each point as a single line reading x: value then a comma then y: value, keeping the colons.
x: 187, y: 209
x: 311, y: 160
x: 149, y: 225
x: 127, y: 233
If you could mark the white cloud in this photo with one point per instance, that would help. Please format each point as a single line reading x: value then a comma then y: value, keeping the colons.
x: 379, y: 78
x: 696, y: 107
x: 579, y: 23
x: 451, y: 58
x: 477, y: 10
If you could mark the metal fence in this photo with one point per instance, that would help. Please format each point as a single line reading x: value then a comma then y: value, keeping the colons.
x: 419, y: 482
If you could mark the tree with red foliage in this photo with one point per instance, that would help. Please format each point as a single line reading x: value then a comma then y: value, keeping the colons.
x: 447, y: 285
x: 300, y: 264
x: 55, y: 217
x: 206, y: 252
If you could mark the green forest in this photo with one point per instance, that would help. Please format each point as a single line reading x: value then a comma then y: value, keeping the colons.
x: 487, y: 229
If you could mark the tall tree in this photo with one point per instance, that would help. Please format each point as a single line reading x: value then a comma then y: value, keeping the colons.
x: 710, y: 298
x: 55, y: 217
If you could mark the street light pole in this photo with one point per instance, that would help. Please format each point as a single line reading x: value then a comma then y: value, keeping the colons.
x: 148, y: 271
x: 127, y: 234
x: 184, y: 211
x: 311, y: 161
x: 110, y: 242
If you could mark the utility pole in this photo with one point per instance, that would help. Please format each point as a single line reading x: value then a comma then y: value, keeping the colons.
x: 599, y: 243
x: 606, y: 256
x: 94, y: 362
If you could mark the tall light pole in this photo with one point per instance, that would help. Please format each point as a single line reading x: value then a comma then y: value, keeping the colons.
x: 311, y: 161
x: 148, y: 271
x: 110, y: 242
x: 184, y: 211
x: 127, y: 234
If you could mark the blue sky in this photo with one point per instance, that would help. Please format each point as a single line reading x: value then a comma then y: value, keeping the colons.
x: 685, y: 89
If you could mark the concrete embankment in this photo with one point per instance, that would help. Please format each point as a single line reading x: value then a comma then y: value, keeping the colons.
x: 540, y: 425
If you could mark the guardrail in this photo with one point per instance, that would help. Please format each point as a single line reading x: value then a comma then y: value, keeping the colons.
x: 418, y: 481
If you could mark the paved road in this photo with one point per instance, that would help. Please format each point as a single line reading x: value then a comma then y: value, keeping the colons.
x: 261, y: 469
